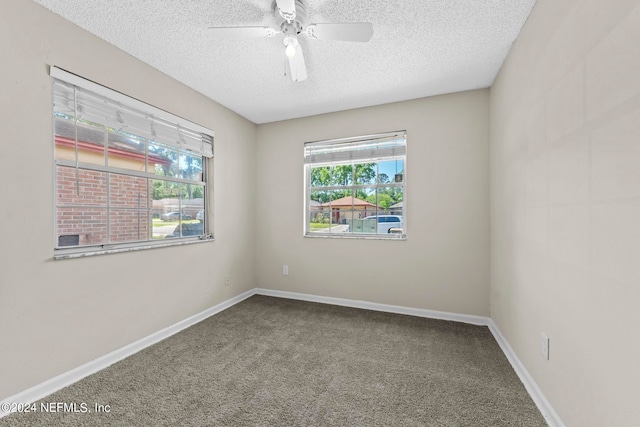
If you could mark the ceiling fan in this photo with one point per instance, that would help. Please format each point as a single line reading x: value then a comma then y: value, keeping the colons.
x: 290, y: 20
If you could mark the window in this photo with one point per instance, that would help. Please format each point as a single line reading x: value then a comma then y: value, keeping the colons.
x: 127, y: 175
x: 355, y: 187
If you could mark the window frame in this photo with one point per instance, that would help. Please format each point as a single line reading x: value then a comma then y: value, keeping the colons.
x: 183, y: 147
x: 308, y: 188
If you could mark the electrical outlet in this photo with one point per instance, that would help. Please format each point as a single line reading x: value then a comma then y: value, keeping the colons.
x: 227, y: 281
x: 544, y: 345
x: 285, y: 270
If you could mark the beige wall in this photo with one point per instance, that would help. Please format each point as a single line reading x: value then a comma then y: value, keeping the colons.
x: 443, y: 264
x: 56, y: 315
x: 565, y: 206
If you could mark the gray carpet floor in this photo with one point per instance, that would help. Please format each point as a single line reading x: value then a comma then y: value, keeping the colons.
x: 277, y: 362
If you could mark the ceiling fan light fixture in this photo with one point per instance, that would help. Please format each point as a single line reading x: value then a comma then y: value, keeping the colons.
x: 291, y: 43
x: 290, y: 51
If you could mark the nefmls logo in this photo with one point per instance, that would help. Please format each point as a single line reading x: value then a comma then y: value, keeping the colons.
x: 72, y: 407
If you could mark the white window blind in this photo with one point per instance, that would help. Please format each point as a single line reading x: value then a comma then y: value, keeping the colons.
x: 91, y: 102
x: 385, y: 146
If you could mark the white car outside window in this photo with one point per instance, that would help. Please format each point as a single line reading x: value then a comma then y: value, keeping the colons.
x: 387, y: 222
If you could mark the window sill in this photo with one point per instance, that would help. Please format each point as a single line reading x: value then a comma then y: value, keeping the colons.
x: 113, y: 249
x: 354, y: 236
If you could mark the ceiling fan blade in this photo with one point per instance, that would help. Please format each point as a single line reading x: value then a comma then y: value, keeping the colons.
x: 241, y: 32
x: 348, y: 31
x: 297, y: 66
x: 287, y: 9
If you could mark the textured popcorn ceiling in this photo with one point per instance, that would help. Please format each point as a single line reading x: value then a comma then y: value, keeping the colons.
x: 419, y: 48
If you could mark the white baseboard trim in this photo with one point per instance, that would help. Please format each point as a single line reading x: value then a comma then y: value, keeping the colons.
x: 48, y: 387
x: 550, y: 415
x: 397, y: 309
x: 52, y: 385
